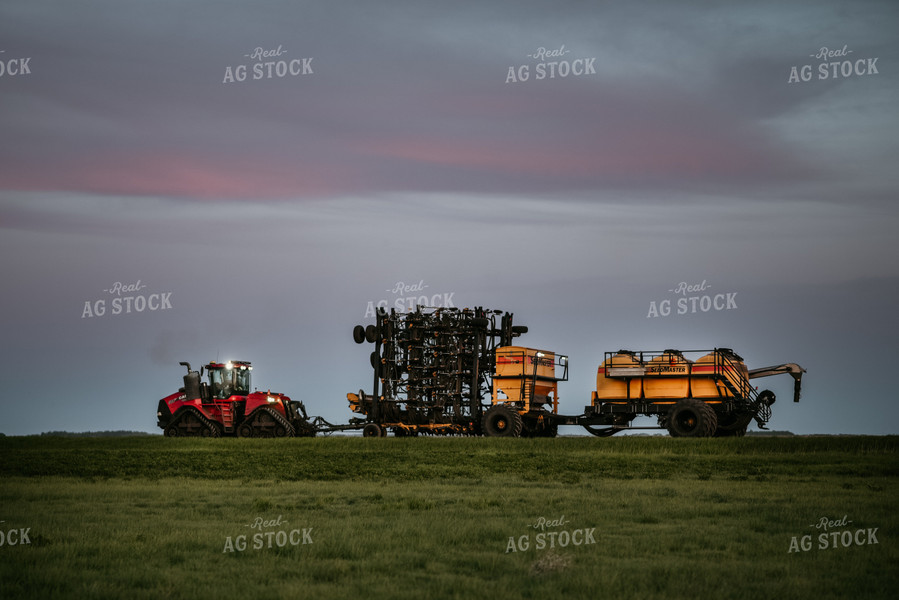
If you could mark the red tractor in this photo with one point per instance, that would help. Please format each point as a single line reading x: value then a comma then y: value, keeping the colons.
x: 224, y: 406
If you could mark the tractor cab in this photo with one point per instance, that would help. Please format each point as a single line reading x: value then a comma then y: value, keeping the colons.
x: 229, y: 379
x: 225, y: 380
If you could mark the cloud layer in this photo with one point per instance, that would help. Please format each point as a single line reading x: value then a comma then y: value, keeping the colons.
x: 274, y: 209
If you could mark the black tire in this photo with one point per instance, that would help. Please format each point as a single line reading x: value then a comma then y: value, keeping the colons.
x: 733, y: 425
x: 371, y: 333
x: 551, y: 430
x: 245, y: 430
x: 171, y: 430
x: 692, y: 418
x: 358, y: 334
x: 534, y: 428
x: 372, y: 430
x: 738, y: 432
x: 500, y: 421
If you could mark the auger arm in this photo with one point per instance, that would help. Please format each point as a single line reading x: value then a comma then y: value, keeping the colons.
x: 792, y: 368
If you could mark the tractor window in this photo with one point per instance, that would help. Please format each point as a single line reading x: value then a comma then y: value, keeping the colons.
x: 241, y: 381
x: 227, y: 382
x: 220, y: 382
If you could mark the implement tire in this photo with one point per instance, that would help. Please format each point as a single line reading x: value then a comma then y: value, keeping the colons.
x: 372, y: 430
x: 500, y: 421
x: 692, y: 418
x: 733, y: 425
x: 739, y: 432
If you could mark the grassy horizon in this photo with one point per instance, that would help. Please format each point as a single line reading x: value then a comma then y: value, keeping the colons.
x: 433, y: 517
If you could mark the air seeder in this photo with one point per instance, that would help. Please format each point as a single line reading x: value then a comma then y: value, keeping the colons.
x: 456, y: 371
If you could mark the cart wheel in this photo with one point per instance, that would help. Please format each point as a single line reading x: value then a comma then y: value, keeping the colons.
x: 500, y: 421
x: 733, y: 425
x: 372, y: 430
x: 692, y: 418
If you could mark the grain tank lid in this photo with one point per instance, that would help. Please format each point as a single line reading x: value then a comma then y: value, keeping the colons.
x: 623, y: 364
x: 672, y: 357
x: 669, y: 362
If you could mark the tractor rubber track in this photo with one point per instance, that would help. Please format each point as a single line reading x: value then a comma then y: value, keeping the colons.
x: 276, y: 416
x: 210, y: 425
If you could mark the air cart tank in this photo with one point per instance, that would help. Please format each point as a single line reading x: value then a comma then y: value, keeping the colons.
x: 524, y: 375
x: 667, y: 376
x: 620, y: 377
x: 707, y: 373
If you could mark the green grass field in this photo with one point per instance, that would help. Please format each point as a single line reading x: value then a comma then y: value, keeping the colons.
x: 629, y: 517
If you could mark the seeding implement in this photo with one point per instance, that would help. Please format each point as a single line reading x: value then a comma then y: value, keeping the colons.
x: 451, y: 371
x: 455, y: 371
x: 433, y: 370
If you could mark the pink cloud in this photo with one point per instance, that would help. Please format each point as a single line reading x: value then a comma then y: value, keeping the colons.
x: 177, y: 174
x: 511, y: 143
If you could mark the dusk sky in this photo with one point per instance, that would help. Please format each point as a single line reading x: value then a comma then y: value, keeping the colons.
x: 426, y: 144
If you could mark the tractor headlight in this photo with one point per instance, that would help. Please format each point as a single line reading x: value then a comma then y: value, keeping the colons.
x: 271, y: 399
